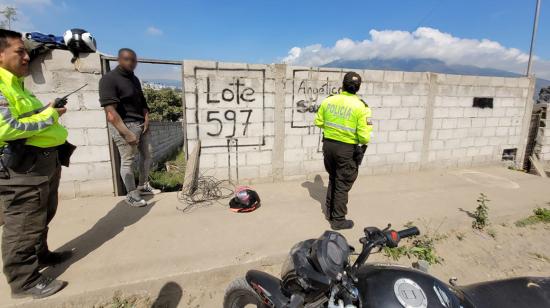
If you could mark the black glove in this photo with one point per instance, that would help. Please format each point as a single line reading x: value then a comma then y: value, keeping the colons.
x: 60, y: 102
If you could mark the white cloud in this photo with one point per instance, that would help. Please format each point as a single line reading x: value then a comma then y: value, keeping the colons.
x: 422, y: 43
x: 154, y: 31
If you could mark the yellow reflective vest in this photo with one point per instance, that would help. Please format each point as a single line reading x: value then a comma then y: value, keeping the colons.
x: 21, y: 117
x: 346, y: 118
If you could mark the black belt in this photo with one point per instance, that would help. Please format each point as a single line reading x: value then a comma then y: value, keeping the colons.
x: 337, y: 141
x: 34, y: 149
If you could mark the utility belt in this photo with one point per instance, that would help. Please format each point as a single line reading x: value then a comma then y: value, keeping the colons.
x: 358, y: 150
x: 17, y: 153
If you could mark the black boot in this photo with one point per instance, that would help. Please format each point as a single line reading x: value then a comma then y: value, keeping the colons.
x: 341, y: 224
x: 53, y: 258
x: 45, y: 287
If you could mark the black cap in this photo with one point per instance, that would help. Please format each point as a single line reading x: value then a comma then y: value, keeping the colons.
x: 352, y: 82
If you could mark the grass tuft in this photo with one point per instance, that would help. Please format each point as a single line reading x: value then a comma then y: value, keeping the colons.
x: 540, y: 215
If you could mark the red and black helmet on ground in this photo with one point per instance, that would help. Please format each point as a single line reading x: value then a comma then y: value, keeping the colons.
x: 246, y: 200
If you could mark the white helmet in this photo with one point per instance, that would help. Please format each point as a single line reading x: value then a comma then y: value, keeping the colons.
x: 79, y: 40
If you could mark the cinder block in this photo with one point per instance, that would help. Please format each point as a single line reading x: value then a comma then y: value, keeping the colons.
x: 411, y: 101
x: 77, y: 136
x: 467, y: 142
x: 395, y: 158
x: 406, y: 124
x: 391, y: 101
x: 415, y: 77
x: 373, y: 75
x: 415, y: 135
x: 456, y: 112
x: 91, y: 153
x: 472, y: 152
x: 417, y: 113
x: 294, y: 155
x: 412, y: 157
x: 400, y: 113
x: 393, y: 76
x: 90, y: 100
x: 381, y: 113
x: 444, y: 134
x: 385, y: 148
x: 398, y: 136
x: 84, y: 119
x: 96, y: 136
x: 292, y: 142
x: 464, y: 122
x: 386, y: 125
x: 489, y: 131
x: 481, y: 141
x: 99, y: 170
x: 441, y: 112
x: 404, y: 147
x: 450, y: 123
x: 511, y: 82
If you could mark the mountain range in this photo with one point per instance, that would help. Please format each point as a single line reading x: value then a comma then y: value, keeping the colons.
x: 410, y: 65
x: 429, y: 65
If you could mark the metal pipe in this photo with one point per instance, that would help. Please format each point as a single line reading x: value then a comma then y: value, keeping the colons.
x: 533, y: 37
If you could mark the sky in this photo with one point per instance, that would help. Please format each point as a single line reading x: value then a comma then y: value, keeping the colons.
x: 488, y: 33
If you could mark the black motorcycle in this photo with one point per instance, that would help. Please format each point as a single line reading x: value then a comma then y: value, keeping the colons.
x: 317, y: 273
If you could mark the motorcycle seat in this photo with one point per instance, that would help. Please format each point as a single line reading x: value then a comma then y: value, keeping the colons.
x: 521, y: 292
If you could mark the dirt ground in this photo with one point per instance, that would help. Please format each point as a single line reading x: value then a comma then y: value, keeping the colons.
x: 469, y: 255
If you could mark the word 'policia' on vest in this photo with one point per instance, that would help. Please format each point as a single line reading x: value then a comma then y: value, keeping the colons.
x: 21, y: 117
x: 345, y: 117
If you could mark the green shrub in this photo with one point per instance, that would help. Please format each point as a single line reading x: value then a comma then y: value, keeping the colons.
x: 540, y: 215
x: 170, y: 177
x: 481, y: 215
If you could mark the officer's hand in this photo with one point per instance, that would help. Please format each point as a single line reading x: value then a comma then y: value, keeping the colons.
x: 131, y: 138
x: 60, y: 102
x: 60, y: 111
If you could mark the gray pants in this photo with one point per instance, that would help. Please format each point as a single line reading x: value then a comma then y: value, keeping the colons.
x: 128, y: 155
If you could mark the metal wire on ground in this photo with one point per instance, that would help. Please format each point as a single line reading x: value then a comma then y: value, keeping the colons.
x: 209, y: 190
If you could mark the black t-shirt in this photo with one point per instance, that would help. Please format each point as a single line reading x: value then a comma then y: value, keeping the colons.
x: 123, y: 88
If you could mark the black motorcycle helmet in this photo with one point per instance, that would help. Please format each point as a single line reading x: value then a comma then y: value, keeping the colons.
x: 352, y: 82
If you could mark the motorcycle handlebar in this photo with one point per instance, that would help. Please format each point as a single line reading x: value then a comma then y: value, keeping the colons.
x: 408, y: 232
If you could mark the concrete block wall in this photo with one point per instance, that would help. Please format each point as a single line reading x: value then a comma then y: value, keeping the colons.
x: 543, y: 138
x: 230, y: 107
x: 462, y: 135
x: 167, y: 138
x: 421, y: 120
x: 53, y: 75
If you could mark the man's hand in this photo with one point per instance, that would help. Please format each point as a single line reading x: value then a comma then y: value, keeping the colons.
x: 60, y: 111
x: 60, y: 102
x: 130, y: 138
x: 146, y: 122
x: 146, y: 125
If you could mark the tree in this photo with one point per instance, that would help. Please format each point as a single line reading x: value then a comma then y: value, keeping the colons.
x: 164, y: 104
x: 10, y: 15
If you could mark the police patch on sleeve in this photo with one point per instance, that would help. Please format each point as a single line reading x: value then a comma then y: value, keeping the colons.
x: 3, y: 101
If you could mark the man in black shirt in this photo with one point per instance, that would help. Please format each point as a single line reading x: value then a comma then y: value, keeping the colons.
x: 121, y: 96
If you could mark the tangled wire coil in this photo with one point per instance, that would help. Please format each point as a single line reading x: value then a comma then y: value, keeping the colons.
x: 209, y: 190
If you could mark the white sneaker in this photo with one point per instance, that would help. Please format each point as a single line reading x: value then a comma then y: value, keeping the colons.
x: 134, y: 201
x: 147, y: 189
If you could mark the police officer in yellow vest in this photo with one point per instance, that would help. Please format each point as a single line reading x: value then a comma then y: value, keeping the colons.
x: 345, y: 120
x: 33, y: 148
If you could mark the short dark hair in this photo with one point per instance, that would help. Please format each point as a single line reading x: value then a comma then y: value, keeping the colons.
x: 352, y: 82
x: 123, y: 50
x: 5, y: 34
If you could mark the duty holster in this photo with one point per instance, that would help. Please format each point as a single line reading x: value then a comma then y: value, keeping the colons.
x: 64, y: 152
x: 359, y: 153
